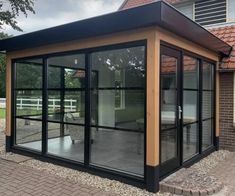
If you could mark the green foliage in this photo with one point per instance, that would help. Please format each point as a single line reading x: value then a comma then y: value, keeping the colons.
x: 2, y: 113
x: 11, y: 9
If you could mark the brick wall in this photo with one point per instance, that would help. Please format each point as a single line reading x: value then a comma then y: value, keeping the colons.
x: 227, y: 132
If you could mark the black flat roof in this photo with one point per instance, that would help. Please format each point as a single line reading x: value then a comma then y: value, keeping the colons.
x: 158, y: 13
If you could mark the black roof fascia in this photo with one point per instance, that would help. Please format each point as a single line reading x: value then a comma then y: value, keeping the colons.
x: 157, y: 13
x: 142, y: 16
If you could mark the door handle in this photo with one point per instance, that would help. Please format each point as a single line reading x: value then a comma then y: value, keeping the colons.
x: 180, y: 112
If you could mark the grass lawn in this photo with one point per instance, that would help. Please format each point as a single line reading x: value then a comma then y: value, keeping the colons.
x: 2, y: 113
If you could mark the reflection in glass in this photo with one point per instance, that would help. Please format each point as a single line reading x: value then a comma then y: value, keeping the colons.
x: 190, y: 107
x: 29, y: 104
x: 190, y: 141
x: 191, y: 74
x: 208, y: 82
x: 74, y: 78
x: 70, y: 145
x: 74, y: 106
x: 66, y: 105
x: 29, y: 134
x: 54, y: 106
x: 207, y: 134
x: 207, y: 103
x: 118, y: 149
x: 117, y: 106
x: 168, y: 144
x: 29, y: 74
x: 68, y: 61
x: 54, y: 77
x: 168, y: 108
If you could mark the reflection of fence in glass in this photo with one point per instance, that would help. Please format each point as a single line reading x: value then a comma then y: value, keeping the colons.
x: 69, y: 104
x: 2, y: 102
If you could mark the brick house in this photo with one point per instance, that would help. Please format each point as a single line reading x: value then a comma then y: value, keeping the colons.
x: 128, y: 95
x: 219, y: 18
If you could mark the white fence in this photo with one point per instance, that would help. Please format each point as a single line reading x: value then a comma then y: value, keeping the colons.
x: 69, y: 104
x: 2, y: 102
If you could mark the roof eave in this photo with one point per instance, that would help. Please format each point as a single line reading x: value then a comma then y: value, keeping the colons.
x: 153, y: 14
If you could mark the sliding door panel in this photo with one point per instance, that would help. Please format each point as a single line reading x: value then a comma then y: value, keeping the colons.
x: 118, y: 109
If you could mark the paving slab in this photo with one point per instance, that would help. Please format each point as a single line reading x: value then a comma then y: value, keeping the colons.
x: 19, y: 180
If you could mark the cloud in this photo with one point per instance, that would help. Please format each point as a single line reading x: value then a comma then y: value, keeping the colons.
x: 51, y: 13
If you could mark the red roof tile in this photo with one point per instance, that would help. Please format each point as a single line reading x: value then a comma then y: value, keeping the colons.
x: 227, y: 34
x: 134, y: 3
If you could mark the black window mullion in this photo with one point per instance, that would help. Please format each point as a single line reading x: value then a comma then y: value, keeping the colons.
x: 200, y: 104
x: 13, y: 102
x: 62, y: 95
x: 87, y: 109
x: 44, y: 107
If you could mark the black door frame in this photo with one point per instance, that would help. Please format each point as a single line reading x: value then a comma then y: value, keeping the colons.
x: 174, y: 163
x: 201, y: 154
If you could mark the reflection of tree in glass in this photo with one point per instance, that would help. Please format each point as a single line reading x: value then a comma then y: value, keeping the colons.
x: 72, y: 79
x: 28, y: 75
x: 131, y: 60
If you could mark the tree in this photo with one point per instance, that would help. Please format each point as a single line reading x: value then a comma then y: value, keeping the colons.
x: 3, y: 69
x: 11, y: 9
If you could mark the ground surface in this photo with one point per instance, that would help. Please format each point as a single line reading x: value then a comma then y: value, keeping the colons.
x: 24, y: 176
x: 226, y: 173
x: 20, y: 180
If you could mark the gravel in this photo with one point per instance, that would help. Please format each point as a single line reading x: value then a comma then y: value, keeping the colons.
x: 2, y: 124
x: 88, y: 179
x: 197, y: 177
x: 205, y: 165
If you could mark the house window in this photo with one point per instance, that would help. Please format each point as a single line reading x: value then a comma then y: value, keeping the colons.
x: 119, y: 93
x: 208, y: 12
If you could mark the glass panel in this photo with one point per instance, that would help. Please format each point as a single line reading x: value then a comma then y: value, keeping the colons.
x: 168, y: 144
x: 54, y: 106
x: 125, y: 118
x: 207, y: 134
x: 118, y: 149
x: 69, y: 61
x: 208, y: 82
x: 190, y: 141
x: 74, y: 78
x: 190, y: 72
x: 207, y: 111
x: 29, y: 74
x: 29, y: 134
x: 29, y: 104
x: 74, y: 107
x: 168, y: 108
x: 125, y: 65
x: 54, y: 77
x: 190, y: 106
x: 68, y: 144
x: 117, y: 103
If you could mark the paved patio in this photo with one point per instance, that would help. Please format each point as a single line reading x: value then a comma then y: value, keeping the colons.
x: 20, y: 180
x: 226, y: 173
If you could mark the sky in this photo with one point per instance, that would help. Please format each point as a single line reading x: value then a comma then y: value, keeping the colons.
x: 51, y: 13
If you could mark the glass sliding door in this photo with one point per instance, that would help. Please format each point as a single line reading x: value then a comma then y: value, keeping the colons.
x: 66, y: 106
x: 28, y: 104
x: 117, y: 132
x: 208, y: 117
x: 190, y: 107
x: 170, y: 110
x: 187, y: 114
